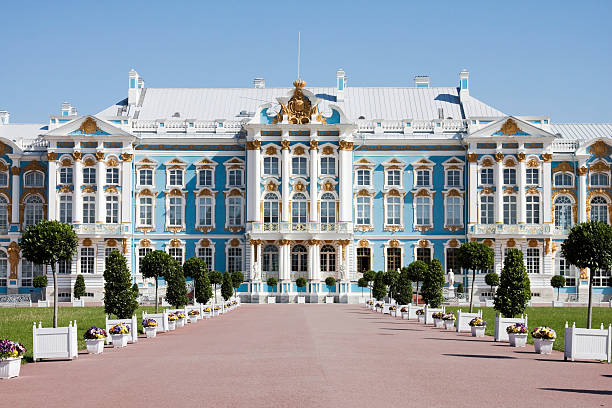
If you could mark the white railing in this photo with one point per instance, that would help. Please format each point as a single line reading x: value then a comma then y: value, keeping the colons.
x: 410, y: 126
x: 16, y: 300
x: 185, y: 125
x: 564, y: 146
x: 309, y: 227
x: 98, y: 229
x: 31, y: 143
x: 530, y: 229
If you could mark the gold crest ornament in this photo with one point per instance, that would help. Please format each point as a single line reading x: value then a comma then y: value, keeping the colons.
x: 299, y: 109
x: 509, y: 128
x: 89, y: 126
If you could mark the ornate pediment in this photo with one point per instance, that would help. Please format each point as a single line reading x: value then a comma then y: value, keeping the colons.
x: 298, y: 109
x: 510, y: 128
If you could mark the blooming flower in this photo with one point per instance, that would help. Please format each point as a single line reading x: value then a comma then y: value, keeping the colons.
x: 517, y: 328
x: 448, y: 316
x: 194, y: 312
x: 149, y: 323
x: 120, y: 328
x: 478, y: 322
x: 172, y: 317
x: 94, y: 333
x: 11, y: 349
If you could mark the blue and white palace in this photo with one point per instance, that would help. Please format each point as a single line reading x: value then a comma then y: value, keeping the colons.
x: 303, y: 182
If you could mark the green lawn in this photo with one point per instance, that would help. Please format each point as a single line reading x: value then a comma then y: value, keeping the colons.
x: 554, y: 317
x: 16, y: 323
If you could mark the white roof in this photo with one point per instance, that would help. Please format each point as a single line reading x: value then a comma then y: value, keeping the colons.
x: 24, y: 135
x: 473, y: 108
x: 384, y: 103
x: 582, y: 131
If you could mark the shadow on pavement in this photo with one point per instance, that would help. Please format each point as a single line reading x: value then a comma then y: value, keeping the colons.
x: 436, y: 338
x: 480, y: 356
x: 596, y: 392
x: 395, y: 328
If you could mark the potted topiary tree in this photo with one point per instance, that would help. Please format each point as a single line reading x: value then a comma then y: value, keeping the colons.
x: 514, y: 287
x: 227, y: 287
x: 330, y: 282
x: 156, y: 265
x: 491, y: 279
x: 41, y: 282
x: 460, y: 289
x: 79, y: 291
x: 196, y: 269
x: 416, y: 271
x: 301, y: 285
x: 475, y: 256
x: 216, y: 278
x: 390, y: 279
x: 176, y: 291
x: 379, y: 290
x: 119, y: 298
x: 362, y: 283
x: 237, y: 279
x: 557, y: 282
x: 369, y: 276
x: 272, y: 282
x: 433, y: 282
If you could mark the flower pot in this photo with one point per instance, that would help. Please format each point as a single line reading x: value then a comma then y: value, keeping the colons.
x: 421, y: 318
x: 172, y: 325
x: 438, y: 322
x: 151, y: 332
x: 193, y: 318
x: 216, y: 313
x: 95, y: 346
x: 478, y: 331
x: 393, y: 313
x: 10, y: 367
x: 405, y: 315
x: 543, y: 346
x: 120, y: 340
x: 517, y: 339
x: 329, y: 299
x: 180, y: 322
x: 449, y: 324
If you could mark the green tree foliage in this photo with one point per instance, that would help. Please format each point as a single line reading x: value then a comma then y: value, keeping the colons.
x: 460, y: 288
x: 492, y: 279
x: 237, y: 279
x: 176, y: 287
x: 155, y: 265
x: 301, y: 282
x: 216, y: 278
x: 416, y: 272
x: 390, y: 279
x: 404, y: 288
x: 514, y: 287
x: 379, y: 290
x: 41, y: 282
x: 369, y: 276
x: 477, y: 257
x: 557, y: 282
x: 79, y: 287
x: 433, y: 282
x: 272, y: 282
x: 227, y: 287
x: 196, y: 269
x: 362, y: 283
x: 135, y: 290
x: 589, y: 245
x: 330, y: 281
x: 47, y: 243
x: 119, y: 298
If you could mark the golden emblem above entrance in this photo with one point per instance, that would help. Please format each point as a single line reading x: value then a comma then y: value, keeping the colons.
x: 298, y: 109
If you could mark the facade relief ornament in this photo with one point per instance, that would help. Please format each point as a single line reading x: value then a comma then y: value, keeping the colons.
x: 533, y: 190
x: 486, y: 163
x: 270, y: 150
x: 488, y: 242
x: 127, y: 157
x: 487, y: 190
x: 328, y: 150
x: 599, y: 166
x: 520, y: 156
x: 87, y: 242
x: 533, y: 243
x: 314, y: 145
x: 344, y: 145
x: 145, y: 243
x: 582, y: 171
x: 472, y: 157
x: 89, y: 161
x: 533, y: 163
x: 77, y: 155
x: 283, y: 242
x: 299, y: 150
x: 563, y: 166
x: 499, y: 156
x: 394, y: 243
x: 175, y: 243
x: 299, y: 109
x: 511, y: 243
x: 547, y: 157
x: 363, y: 243
x: 234, y: 242
x: 13, y: 257
x: 510, y: 128
x: 89, y: 126
x: 253, y: 145
x: 599, y: 149
x: 52, y: 156
x: 99, y: 156
x: 453, y: 243
x: 285, y: 144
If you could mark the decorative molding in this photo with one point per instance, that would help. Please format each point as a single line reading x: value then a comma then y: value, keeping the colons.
x: 175, y: 243
x: 533, y: 243
x: 271, y: 150
x: 423, y: 243
x: 510, y: 128
x: 15, y: 171
x: 486, y: 163
x: 520, y: 156
x: 314, y: 145
x: 509, y: 162
x: 582, y: 171
x: 472, y: 157
x: 51, y: 156
x: 88, y: 189
x: 89, y: 161
x: 394, y: 243
x: 127, y: 157
x: 253, y: 145
x: 533, y: 163
x: 89, y: 126
x: 547, y: 157
x: 145, y: 243
x: 99, y: 156
x: 285, y: 144
x: 563, y: 166
x: 511, y: 243
x: 65, y: 189
x: 344, y: 145
x: 66, y: 162
x: 205, y: 243
x: 364, y: 243
x: 499, y: 156
x: 488, y: 242
x: 299, y: 150
x: 77, y: 155
x: 112, y: 242
x: 112, y: 162
x: 599, y: 149
x: 111, y: 189
x: 13, y: 258
x: 487, y: 190
x: 298, y: 109
x: 599, y: 167
x: 328, y: 150
x: 533, y: 190
x: 453, y: 243
x: 86, y: 242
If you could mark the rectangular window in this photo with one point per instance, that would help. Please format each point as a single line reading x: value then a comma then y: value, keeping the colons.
x: 453, y: 178
x: 423, y: 211
x: 112, y: 209
x: 107, y: 252
x: 533, y: 177
x: 533, y: 209
x: 3, y: 271
x: 533, y: 260
x: 65, y: 209
x: 177, y: 254
x: 234, y: 177
x: 205, y: 211
x: 28, y: 271
x: 566, y: 270
x: 205, y: 178
x: 394, y: 178
x: 509, y: 177
x: 234, y: 259
x: 235, y: 211
x: 142, y: 252
x: 89, y: 209
x: 509, y: 210
x: 87, y: 260
x: 601, y: 278
x: 452, y: 260
x: 112, y: 175
x: 206, y: 255
x: 423, y: 254
x: 66, y: 175
x: 175, y: 178
x: 145, y: 214
x: 363, y: 259
x: 89, y: 175
x: 271, y: 166
x: 486, y: 177
x: 394, y: 259
x: 34, y: 179
x: 3, y: 179
x: 363, y: 178
x: 64, y: 267
x: 394, y: 211
x: 423, y: 178
x: 176, y: 211
x: 453, y: 211
x: 298, y: 166
x: 145, y: 177
x: 487, y: 207
x: 363, y: 210
x: 328, y: 165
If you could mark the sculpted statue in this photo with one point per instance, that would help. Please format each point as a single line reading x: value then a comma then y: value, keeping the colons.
x: 255, y: 273
x: 14, y: 257
x: 451, y: 278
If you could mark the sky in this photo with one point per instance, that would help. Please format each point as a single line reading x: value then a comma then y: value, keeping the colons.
x: 525, y: 57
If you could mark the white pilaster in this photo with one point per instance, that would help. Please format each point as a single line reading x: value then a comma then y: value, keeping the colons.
x: 52, y: 195
x: 547, y: 190
x: 582, y: 191
x: 499, y: 189
x: 254, y: 180
x: 346, y: 176
x: 473, y: 192
x: 522, y: 204
x: 316, y: 258
x: 100, y: 179
x: 284, y: 261
x: 311, y: 251
x: 15, y: 192
x: 314, y: 180
x: 126, y: 189
x: 77, y: 201
x: 286, y: 217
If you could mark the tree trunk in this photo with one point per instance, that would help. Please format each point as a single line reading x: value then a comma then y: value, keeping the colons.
x: 558, y: 294
x: 472, y: 290
x: 417, y: 293
x: 156, y: 299
x: 590, y: 309
x: 54, y: 295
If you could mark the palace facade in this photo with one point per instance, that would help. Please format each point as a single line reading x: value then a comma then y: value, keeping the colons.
x: 303, y: 182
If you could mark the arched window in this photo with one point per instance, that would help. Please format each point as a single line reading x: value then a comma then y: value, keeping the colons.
x: 299, y: 258
x: 3, y: 268
x: 599, y: 180
x: 298, y: 209
x: 33, y: 210
x: 270, y: 208
x: 328, y: 209
x: 563, y: 212
x: 3, y: 215
x: 34, y: 179
x: 270, y: 259
x: 564, y: 180
x: 423, y: 211
x: 328, y: 258
x: 599, y: 209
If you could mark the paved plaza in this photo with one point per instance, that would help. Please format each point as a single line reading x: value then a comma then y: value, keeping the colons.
x: 311, y: 356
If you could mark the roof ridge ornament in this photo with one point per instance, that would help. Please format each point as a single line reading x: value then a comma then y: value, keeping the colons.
x: 510, y: 128
x: 298, y: 109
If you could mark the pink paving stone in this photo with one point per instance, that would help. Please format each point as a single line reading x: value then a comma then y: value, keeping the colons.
x: 311, y: 356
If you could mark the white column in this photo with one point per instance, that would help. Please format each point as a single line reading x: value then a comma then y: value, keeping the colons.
x: 316, y: 257
x: 254, y: 180
x: 547, y: 188
x: 499, y: 188
x: 284, y: 261
x: 311, y: 251
x: 77, y: 201
x: 15, y: 192
x: 52, y: 193
x: 582, y: 192
x: 314, y: 179
x: 286, y: 217
x: 100, y: 179
x: 522, y: 203
x: 126, y: 188
x: 473, y: 186
x: 346, y: 176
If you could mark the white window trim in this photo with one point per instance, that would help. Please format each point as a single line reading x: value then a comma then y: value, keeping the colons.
x: 540, y: 208
x: 479, y: 209
x: 423, y: 165
x: 394, y: 227
x: 572, y: 177
x: 175, y: 164
x: 141, y: 194
x: 235, y: 192
x: 364, y: 193
x: 394, y: 164
x: 304, y: 155
x: 278, y: 155
x: 417, y: 245
x: 141, y: 168
x: 431, y: 195
x: 447, y: 246
x: 118, y: 195
x: 363, y: 164
x: 457, y: 164
x: 211, y: 245
x: 540, y: 248
x: 459, y: 195
x: 539, y: 170
x: 169, y: 245
x: 58, y: 205
x: 95, y: 256
x: 43, y: 179
x: 169, y: 195
x: 233, y: 164
x: 205, y: 192
x: 206, y: 164
x: 402, y: 254
x: 333, y: 155
x: 243, y: 257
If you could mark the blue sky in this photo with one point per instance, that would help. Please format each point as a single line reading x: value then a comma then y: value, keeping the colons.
x: 525, y: 58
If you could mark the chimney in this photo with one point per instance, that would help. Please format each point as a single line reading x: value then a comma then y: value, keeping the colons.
x: 135, y: 87
x: 68, y: 109
x: 4, y: 117
x: 421, y: 81
x: 341, y: 84
x: 259, y: 83
x: 464, y: 82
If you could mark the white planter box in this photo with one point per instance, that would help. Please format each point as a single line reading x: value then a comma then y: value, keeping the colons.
x: 558, y: 303
x: 501, y: 323
x: 78, y: 303
x: 43, y: 303
x: 131, y: 323
x: 120, y: 340
x: 421, y: 318
x: 151, y: 332
x: 180, y: 323
x: 405, y: 315
x: 543, y: 346
x: 59, y: 342
x: 160, y: 318
x: 329, y: 299
x: 464, y: 319
x: 10, y: 367
x: 588, y: 344
x: 271, y: 299
x: 193, y: 318
x: 429, y: 311
x: 478, y: 331
x: 198, y: 307
x: 393, y: 313
x: 172, y: 325
x: 517, y: 340
x: 489, y: 303
x: 438, y: 322
x: 412, y: 309
x: 301, y: 299
x: 95, y: 346
x: 449, y: 324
